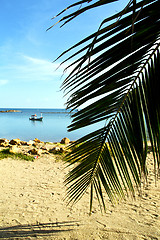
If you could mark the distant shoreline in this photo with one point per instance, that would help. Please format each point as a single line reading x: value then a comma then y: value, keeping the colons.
x: 44, y: 112
x: 6, y: 111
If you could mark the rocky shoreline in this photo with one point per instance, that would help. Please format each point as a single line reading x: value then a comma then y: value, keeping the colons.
x: 34, y: 147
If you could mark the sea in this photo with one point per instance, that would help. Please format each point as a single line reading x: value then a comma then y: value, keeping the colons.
x: 52, y: 129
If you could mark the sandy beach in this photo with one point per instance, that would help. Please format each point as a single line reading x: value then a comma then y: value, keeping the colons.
x: 32, y: 206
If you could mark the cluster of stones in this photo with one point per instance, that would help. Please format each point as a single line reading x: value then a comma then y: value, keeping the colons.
x: 34, y: 147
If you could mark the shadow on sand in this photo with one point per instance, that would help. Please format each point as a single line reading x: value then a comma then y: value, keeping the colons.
x: 35, y: 230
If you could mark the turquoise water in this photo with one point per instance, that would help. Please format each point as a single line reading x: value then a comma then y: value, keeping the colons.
x: 53, y: 127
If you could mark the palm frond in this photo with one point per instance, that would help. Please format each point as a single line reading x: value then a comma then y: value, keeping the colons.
x: 81, y: 10
x: 119, y: 74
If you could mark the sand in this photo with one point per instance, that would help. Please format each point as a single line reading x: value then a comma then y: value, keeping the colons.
x: 32, y: 206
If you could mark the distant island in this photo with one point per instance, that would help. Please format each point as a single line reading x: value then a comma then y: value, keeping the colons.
x: 6, y: 111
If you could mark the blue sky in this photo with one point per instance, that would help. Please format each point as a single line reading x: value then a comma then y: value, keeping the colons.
x: 27, y: 73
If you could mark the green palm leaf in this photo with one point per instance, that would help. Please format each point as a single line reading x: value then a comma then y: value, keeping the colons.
x: 119, y: 74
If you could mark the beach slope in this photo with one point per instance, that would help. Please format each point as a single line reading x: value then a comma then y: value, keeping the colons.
x: 32, y: 206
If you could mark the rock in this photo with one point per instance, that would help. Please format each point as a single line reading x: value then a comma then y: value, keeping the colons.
x: 62, y: 150
x: 16, y: 141
x: 37, y: 140
x: 14, y: 149
x: 4, y: 142
x: 30, y: 143
x: 54, y: 150
x: 65, y: 140
x: 35, y: 151
x: 23, y: 143
x: 35, y: 144
x: 44, y: 148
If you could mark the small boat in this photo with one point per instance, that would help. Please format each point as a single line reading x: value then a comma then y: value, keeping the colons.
x: 35, y: 118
